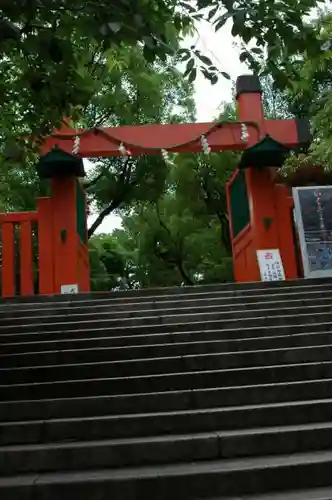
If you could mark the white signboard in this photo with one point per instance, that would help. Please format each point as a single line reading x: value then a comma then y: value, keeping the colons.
x: 69, y: 289
x: 313, y: 220
x: 270, y: 265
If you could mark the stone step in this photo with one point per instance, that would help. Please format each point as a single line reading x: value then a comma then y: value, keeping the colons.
x: 121, y: 308
x: 193, y: 323
x: 165, y: 423
x: 220, y: 478
x: 101, y: 337
x: 208, y: 392
x: 148, y: 293
x: 308, y: 494
x: 172, y: 364
x: 166, y: 382
x: 22, y: 357
x: 242, y: 318
x: 156, y: 450
x: 165, y: 401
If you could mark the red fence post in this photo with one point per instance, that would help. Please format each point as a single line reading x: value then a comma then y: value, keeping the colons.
x: 45, y: 247
x: 284, y: 215
x: 71, y: 261
x: 26, y: 259
x: 64, y: 232
x: 8, y: 260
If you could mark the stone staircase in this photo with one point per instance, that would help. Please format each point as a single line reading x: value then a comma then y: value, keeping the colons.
x: 182, y: 394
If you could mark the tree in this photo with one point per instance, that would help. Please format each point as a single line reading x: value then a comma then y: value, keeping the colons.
x: 134, y: 92
x: 124, y: 181
x: 107, y: 262
x: 182, y: 236
x: 275, y: 101
x: 54, y: 53
x: 309, y: 92
x: 167, y: 245
x: 200, y: 183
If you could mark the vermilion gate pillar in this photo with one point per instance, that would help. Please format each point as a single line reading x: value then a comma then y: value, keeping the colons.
x: 260, y: 210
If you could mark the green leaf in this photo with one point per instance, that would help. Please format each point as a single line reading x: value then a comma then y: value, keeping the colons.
x: 149, y: 55
x: 184, y: 54
x: 177, y: 22
x: 189, y: 67
x: 8, y: 31
x: 225, y: 75
x: 222, y: 20
x: 239, y: 18
x: 114, y: 27
x: 246, y: 34
x: 139, y: 20
x: 189, y: 7
x: 229, y: 4
x: 192, y: 75
x: 244, y: 56
x: 256, y: 50
x: 235, y: 30
x: 212, y: 77
x: 203, y: 59
x: 213, y: 12
x: 149, y: 42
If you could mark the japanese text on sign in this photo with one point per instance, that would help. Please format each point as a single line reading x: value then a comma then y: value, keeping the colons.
x: 270, y: 265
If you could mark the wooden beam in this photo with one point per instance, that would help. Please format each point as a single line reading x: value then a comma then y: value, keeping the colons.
x: 150, y: 139
x: 18, y: 217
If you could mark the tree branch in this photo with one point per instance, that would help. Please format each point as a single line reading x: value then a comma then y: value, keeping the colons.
x: 94, y: 181
x: 222, y: 217
x: 184, y: 275
x: 178, y: 261
x: 124, y: 187
x: 104, y: 213
x: 225, y: 232
x: 162, y: 224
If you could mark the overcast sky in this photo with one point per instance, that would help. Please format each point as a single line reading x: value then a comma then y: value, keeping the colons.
x: 220, y: 48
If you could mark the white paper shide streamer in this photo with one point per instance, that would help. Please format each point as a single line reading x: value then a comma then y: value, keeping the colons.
x: 205, y: 145
x: 166, y: 157
x: 76, y: 146
x: 244, y: 133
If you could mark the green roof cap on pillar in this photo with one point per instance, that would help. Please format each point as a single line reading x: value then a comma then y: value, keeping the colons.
x: 60, y: 163
x: 265, y: 153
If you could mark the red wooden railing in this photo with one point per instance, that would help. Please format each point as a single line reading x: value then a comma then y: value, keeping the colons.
x: 20, y: 224
x: 54, y: 261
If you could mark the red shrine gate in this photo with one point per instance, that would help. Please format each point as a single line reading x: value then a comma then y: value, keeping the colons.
x: 259, y: 209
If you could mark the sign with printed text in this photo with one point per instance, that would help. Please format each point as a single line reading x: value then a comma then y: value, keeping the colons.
x: 69, y: 289
x: 313, y: 222
x: 270, y: 265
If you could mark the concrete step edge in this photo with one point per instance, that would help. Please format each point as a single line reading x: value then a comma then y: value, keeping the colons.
x: 161, y: 414
x: 141, y: 314
x: 45, y: 401
x: 127, y: 347
x: 77, y: 445
x: 167, y: 375
x: 171, y: 291
x: 192, y: 469
x: 72, y: 307
x: 309, y: 494
x: 171, y: 358
x: 172, y: 334
x: 263, y: 316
